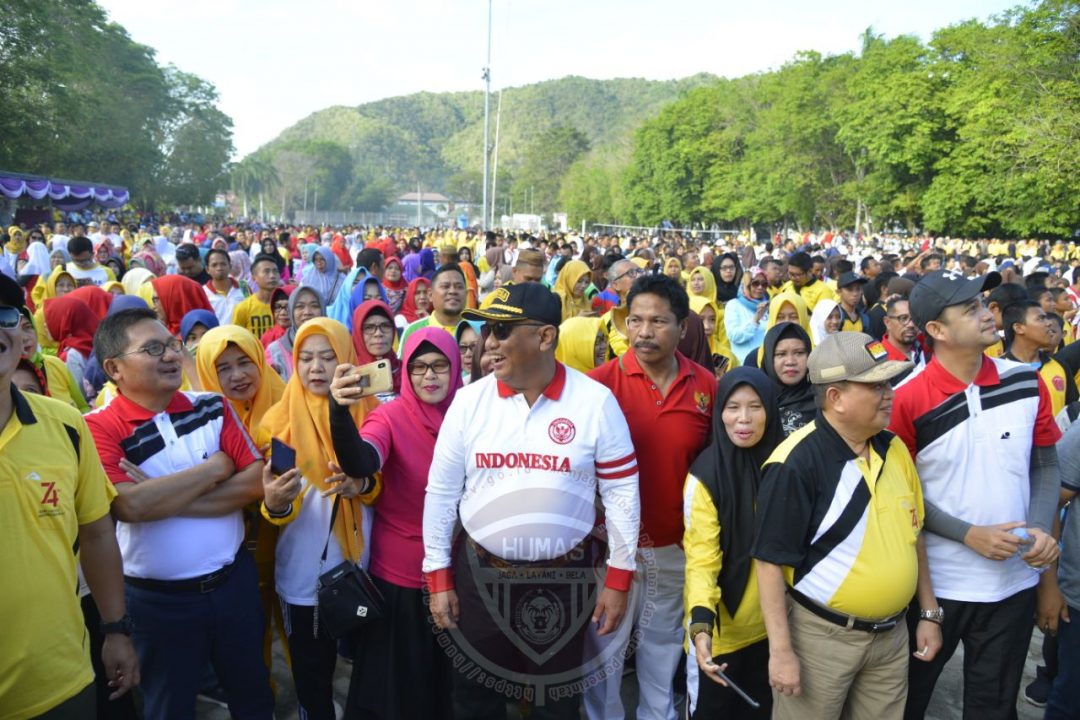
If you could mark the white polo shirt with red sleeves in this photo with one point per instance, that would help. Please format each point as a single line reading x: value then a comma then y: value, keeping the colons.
x: 523, y: 480
x: 193, y: 427
x: 972, y: 449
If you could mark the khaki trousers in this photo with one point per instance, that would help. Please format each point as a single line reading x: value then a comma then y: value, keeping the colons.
x: 844, y: 673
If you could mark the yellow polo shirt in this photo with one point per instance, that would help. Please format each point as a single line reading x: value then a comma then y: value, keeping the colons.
x: 254, y: 315
x: 44, y: 498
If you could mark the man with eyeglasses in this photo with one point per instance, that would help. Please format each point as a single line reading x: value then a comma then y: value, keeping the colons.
x: 982, y: 433
x: 447, y: 299
x: 56, y: 514
x: 901, y: 340
x: 83, y: 266
x: 183, y: 467
x: 621, y: 276
x: 839, y: 547
x: 802, y: 281
x: 519, y: 462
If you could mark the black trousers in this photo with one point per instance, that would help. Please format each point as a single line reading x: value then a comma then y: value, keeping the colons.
x: 77, y: 707
x: 748, y: 667
x: 995, y: 637
x: 400, y: 672
x: 313, y: 660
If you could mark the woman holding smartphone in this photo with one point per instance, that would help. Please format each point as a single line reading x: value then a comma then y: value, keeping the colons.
x: 302, y: 500
x: 726, y: 626
x: 399, y: 655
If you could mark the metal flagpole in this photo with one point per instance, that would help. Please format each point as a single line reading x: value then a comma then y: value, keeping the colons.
x: 487, y: 106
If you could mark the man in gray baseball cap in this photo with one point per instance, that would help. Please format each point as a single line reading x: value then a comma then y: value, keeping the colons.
x: 840, y: 513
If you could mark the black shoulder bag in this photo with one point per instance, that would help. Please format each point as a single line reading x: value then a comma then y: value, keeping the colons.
x: 347, y: 598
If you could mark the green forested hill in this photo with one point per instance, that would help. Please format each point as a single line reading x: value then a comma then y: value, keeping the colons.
x: 358, y: 157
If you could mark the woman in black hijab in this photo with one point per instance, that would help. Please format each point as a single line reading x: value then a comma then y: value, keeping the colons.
x: 785, y: 351
x: 728, y: 273
x: 726, y: 626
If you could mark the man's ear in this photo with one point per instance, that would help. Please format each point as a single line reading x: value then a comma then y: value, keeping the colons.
x: 110, y: 367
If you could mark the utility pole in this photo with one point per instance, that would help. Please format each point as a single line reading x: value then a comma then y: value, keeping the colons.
x: 487, y: 107
x: 495, y: 162
x: 419, y: 205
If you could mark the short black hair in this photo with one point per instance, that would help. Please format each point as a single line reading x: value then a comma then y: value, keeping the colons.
x: 865, y: 263
x: 892, y: 302
x: 925, y: 262
x: 1006, y: 294
x: 369, y: 258
x: 218, y: 251
x: 1016, y: 313
x: 188, y: 251
x: 264, y: 257
x: 111, y: 337
x: 766, y: 262
x: 449, y: 267
x: 800, y: 260
x: 665, y: 287
x: 80, y: 244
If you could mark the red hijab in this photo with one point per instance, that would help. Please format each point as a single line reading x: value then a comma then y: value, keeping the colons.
x: 363, y: 357
x: 408, y: 306
x: 178, y: 296
x: 341, y: 250
x: 99, y: 300
x: 401, y: 283
x: 72, y: 324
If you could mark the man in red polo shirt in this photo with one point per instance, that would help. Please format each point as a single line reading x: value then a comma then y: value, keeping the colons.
x: 901, y: 339
x: 668, y: 403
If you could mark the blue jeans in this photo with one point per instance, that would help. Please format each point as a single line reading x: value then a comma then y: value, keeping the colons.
x: 1064, y: 701
x: 177, y: 634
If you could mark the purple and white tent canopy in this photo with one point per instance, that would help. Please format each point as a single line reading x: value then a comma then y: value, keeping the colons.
x: 64, y: 194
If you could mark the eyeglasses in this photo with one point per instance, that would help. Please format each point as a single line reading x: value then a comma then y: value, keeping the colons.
x: 466, y: 347
x: 759, y: 283
x: 420, y: 369
x: 155, y: 348
x: 281, y: 307
x: 902, y: 319
x: 636, y: 272
x: 373, y: 329
x: 501, y: 330
x: 10, y: 318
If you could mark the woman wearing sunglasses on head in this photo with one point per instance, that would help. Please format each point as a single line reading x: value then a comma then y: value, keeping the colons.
x: 399, y: 654
x: 745, y: 316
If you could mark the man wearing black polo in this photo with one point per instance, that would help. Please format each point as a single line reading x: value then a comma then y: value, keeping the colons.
x: 838, y: 531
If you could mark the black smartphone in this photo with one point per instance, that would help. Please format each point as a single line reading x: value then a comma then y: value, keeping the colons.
x: 720, y: 362
x: 282, y: 457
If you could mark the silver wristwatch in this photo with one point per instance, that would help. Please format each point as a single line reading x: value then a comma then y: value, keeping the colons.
x: 934, y: 616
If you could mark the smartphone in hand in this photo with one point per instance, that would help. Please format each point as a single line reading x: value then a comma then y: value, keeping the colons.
x: 282, y: 457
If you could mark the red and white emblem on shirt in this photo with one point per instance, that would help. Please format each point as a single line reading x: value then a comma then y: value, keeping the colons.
x: 561, y: 431
x: 1059, y: 383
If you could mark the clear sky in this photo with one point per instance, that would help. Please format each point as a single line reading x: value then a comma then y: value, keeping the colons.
x: 275, y: 62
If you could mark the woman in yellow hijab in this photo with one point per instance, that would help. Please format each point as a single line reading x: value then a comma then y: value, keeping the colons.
x: 135, y: 278
x: 232, y: 362
x: 582, y: 344
x: 787, y: 306
x: 570, y: 286
x: 16, y: 241
x: 673, y: 269
x: 301, y: 420
x: 701, y: 284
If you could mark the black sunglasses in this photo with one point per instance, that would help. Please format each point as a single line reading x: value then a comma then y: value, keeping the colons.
x: 10, y: 318
x: 501, y: 330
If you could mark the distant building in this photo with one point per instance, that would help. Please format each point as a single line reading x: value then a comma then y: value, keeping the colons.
x: 436, y: 207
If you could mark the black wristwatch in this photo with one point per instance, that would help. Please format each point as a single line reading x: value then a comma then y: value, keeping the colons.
x: 123, y: 626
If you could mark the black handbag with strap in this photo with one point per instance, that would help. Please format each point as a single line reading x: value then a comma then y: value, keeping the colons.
x: 347, y: 598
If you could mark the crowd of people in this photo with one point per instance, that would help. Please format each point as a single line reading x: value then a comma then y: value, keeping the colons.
x: 789, y: 477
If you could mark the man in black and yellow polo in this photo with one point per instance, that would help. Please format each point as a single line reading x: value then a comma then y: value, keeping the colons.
x: 838, y: 522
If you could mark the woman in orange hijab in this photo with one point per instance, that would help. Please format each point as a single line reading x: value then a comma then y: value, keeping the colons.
x: 178, y: 296
x: 302, y: 502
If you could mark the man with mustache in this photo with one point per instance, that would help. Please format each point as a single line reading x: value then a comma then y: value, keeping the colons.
x: 901, y: 339
x: 668, y: 403
x: 448, y: 300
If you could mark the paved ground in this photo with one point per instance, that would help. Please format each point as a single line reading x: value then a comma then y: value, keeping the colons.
x: 947, y: 703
